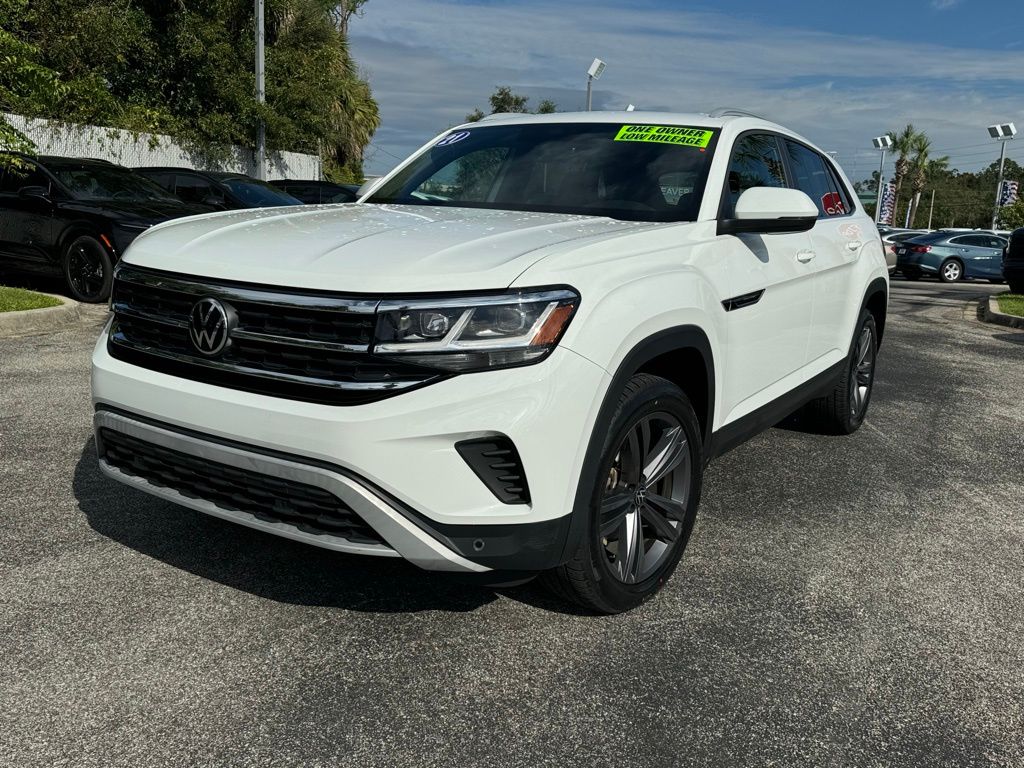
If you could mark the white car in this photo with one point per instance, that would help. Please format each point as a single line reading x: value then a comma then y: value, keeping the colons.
x: 516, y: 354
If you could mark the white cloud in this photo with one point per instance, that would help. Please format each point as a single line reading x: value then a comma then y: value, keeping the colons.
x: 941, y: 5
x: 432, y: 61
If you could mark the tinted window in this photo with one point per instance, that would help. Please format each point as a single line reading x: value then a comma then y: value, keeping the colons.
x: 11, y: 180
x: 599, y: 169
x: 256, y: 193
x: 99, y: 181
x: 756, y: 162
x: 195, y: 189
x: 974, y: 241
x: 812, y: 176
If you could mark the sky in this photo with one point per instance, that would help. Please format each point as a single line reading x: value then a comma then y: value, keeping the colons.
x: 838, y: 73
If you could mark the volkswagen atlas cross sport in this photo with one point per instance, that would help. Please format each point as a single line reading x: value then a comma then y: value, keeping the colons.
x: 514, y: 355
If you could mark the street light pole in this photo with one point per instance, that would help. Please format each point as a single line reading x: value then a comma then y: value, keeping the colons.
x: 596, y: 68
x: 261, y: 96
x: 883, y: 143
x: 1003, y: 133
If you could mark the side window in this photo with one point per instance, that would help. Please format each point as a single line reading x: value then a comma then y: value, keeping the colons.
x: 756, y: 162
x: 813, y: 177
x: 192, y: 189
x: 11, y: 179
x: 974, y: 241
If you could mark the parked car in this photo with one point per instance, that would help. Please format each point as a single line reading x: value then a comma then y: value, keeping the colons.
x: 516, y: 357
x: 220, y: 190
x: 312, y: 192
x: 1013, y: 261
x: 74, y: 217
x: 952, y: 256
x: 892, y: 239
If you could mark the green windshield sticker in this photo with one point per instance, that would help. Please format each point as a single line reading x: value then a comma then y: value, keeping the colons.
x: 665, y: 134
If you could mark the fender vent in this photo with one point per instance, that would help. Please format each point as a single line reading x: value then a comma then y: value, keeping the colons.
x: 495, y: 461
x: 739, y: 302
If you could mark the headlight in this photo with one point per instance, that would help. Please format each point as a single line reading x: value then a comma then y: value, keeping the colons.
x: 475, y: 333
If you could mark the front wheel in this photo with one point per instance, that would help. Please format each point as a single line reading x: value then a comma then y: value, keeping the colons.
x: 951, y: 271
x: 1017, y: 286
x: 643, y: 505
x: 88, y: 270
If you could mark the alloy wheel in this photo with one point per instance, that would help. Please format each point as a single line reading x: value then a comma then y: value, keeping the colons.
x: 952, y: 271
x: 645, y: 498
x: 863, y: 373
x: 85, y: 270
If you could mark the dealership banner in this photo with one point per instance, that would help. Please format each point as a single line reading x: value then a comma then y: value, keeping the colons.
x: 1008, y: 193
x: 888, y: 204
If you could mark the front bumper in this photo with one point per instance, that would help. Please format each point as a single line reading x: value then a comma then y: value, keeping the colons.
x: 393, y: 462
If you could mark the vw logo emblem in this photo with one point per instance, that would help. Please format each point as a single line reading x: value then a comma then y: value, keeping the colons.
x: 209, y: 326
x: 640, y: 497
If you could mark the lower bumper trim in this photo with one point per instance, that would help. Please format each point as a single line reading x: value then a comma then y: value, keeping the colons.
x: 403, y: 538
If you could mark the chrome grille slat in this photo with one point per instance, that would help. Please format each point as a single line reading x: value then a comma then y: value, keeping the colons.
x: 316, y: 348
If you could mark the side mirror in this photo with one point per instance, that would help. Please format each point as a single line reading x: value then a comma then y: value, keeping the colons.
x: 34, y: 193
x: 770, y: 210
x: 213, y: 201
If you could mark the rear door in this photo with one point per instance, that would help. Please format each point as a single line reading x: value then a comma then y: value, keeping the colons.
x: 837, y: 241
x: 764, y: 288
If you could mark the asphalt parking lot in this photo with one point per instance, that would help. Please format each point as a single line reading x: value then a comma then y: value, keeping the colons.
x: 843, y: 602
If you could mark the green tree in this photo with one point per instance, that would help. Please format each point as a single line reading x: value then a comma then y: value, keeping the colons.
x: 923, y: 169
x: 903, y: 144
x: 1012, y: 216
x: 26, y: 86
x: 505, y: 100
x: 186, y: 69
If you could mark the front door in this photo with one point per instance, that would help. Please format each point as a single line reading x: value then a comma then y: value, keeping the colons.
x: 764, y: 290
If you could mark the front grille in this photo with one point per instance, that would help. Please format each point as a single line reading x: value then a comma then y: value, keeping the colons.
x: 300, y: 345
x: 271, y: 499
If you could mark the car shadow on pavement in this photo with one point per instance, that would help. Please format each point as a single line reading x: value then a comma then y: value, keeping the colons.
x: 259, y: 563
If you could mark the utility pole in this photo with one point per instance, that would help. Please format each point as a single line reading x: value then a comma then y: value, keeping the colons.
x: 931, y: 210
x: 261, y: 95
x: 883, y: 143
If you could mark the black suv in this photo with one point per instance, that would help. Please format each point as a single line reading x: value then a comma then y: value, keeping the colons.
x: 1013, y: 261
x: 73, y: 217
x: 220, y: 190
x: 312, y: 192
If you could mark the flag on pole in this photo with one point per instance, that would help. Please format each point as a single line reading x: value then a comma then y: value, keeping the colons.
x: 1008, y: 193
x: 888, y: 203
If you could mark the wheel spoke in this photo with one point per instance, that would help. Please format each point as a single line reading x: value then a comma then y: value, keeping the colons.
x: 631, y: 547
x: 664, y: 530
x: 665, y: 456
x: 614, y: 507
x: 669, y: 508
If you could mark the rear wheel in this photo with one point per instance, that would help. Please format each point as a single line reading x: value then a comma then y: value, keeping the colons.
x: 644, y: 503
x: 842, y: 411
x: 1017, y: 286
x: 951, y: 271
x: 912, y: 275
x: 88, y: 270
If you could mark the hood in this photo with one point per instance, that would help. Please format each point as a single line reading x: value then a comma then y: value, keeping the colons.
x: 141, y: 211
x: 366, y: 248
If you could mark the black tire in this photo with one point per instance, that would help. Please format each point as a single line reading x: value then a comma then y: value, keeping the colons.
x: 954, y: 266
x: 842, y: 411
x: 996, y: 280
x: 912, y: 275
x: 1017, y: 287
x: 88, y: 270
x: 596, y: 577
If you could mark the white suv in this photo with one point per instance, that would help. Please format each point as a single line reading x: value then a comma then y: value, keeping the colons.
x: 515, y: 354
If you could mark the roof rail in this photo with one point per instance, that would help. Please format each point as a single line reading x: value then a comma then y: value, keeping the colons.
x: 498, y: 115
x: 732, y: 112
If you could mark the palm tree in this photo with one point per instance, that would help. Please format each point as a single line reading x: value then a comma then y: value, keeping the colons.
x: 903, y: 144
x: 921, y: 169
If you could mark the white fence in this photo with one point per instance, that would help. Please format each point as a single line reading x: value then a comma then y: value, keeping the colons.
x: 139, y: 149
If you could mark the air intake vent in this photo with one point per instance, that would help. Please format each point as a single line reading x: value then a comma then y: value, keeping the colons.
x: 495, y: 461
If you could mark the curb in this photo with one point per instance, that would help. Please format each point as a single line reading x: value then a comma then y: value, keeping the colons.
x: 33, y: 321
x: 988, y: 311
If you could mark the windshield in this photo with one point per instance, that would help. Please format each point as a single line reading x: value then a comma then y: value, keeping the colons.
x: 639, y: 173
x: 94, y: 181
x: 258, y: 194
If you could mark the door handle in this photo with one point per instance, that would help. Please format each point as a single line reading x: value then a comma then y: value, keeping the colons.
x: 854, y: 245
x: 804, y: 256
